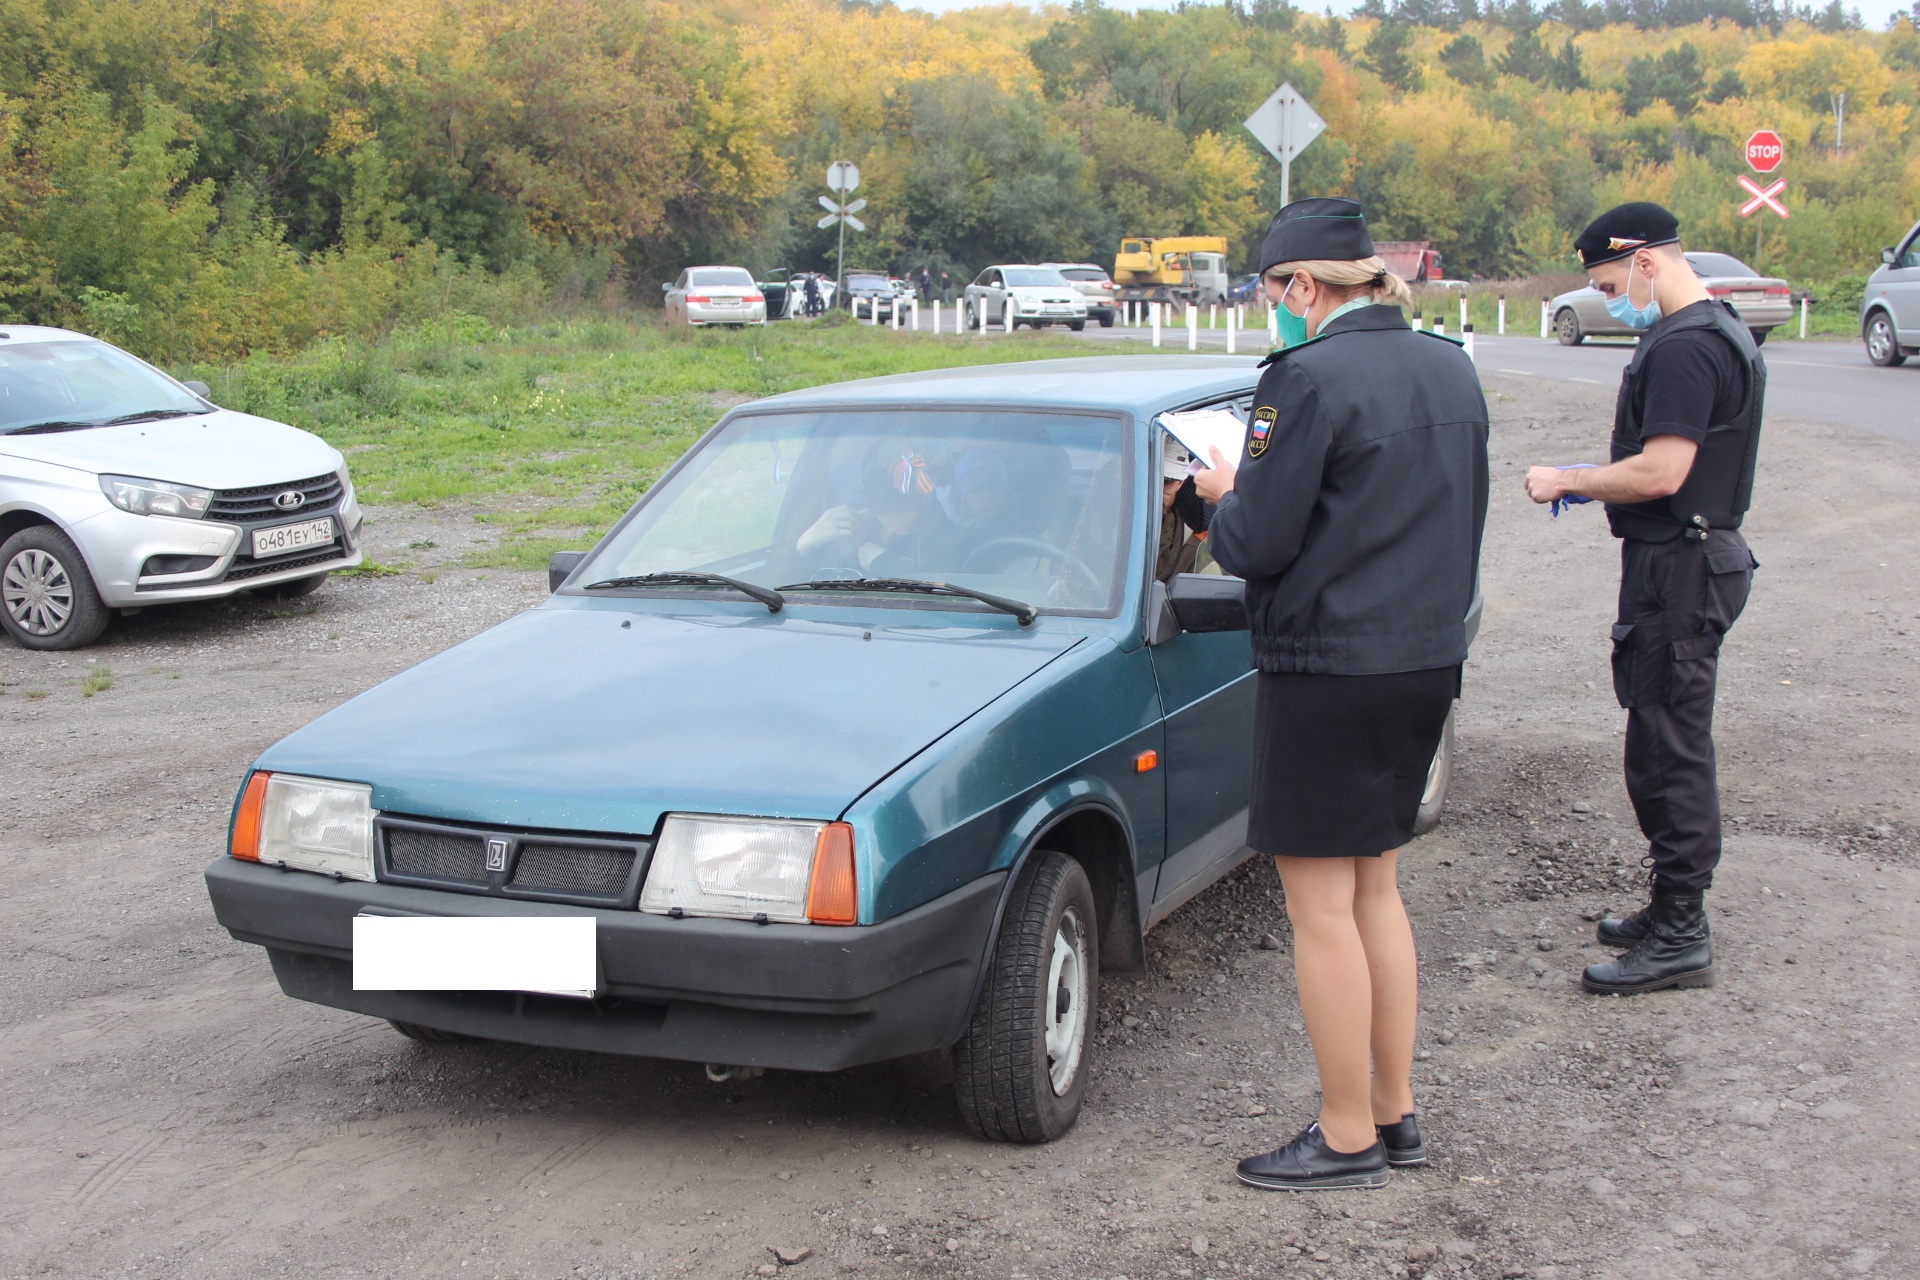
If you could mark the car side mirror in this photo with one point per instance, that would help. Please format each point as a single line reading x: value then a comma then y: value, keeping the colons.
x: 198, y: 388
x: 1205, y: 602
x: 667, y: 288
x: 1162, y: 626
x: 561, y: 567
x: 1887, y: 256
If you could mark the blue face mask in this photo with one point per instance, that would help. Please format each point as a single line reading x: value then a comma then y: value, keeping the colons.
x: 1623, y: 310
x: 1293, y: 328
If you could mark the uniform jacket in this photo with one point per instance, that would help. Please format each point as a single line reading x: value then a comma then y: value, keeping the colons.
x: 1357, y: 514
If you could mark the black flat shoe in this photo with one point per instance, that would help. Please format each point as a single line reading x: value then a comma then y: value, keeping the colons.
x: 1402, y: 1141
x: 1309, y: 1164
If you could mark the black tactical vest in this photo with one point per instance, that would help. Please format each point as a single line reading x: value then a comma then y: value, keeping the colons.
x: 1720, y: 487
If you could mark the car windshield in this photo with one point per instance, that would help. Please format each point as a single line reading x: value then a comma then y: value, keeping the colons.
x: 1719, y: 265
x: 1029, y: 277
x: 1027, y: 506
x: 857, y: 281
x: 718, y: 277
x: 1084, y: 273
x: 81, y: 382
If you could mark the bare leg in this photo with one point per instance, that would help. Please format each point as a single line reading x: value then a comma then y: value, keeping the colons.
x: 1336, y: 993
x: 1393, y: 967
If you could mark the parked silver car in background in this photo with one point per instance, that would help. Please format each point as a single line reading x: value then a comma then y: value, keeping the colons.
x: 1764, y: 302
x: 716, y: 295
x: 1015, y: 294
x: 121, y: 488
x: 1890, y: 308
x: 1091, y: 281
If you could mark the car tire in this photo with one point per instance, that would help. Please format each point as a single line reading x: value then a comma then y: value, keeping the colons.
x: 1566, y: 326
x: 47, y: 596
x: 1759, y: 336
x: 1020, y: 1071
x: 973, y: 316
x: 1106, y: 320
x: 429, y: 1035
x: 1077, y: 325
x: 1439, y: 779
x: 1883, y: 344
x: 292, y: 590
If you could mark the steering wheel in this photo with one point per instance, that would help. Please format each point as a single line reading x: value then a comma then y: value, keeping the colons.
x: 1038, y: 547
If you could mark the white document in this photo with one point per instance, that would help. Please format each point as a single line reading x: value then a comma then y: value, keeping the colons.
x: 551, y: 955
x: 1199, y: 429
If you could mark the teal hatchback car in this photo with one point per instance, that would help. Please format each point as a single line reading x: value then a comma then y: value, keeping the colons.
x: 866, y: 732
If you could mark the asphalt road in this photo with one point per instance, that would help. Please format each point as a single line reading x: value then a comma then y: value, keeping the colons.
x: 1822, y: 381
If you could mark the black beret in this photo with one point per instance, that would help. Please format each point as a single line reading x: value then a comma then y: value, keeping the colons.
x: 1317, y: 229
x: 1621, y: 230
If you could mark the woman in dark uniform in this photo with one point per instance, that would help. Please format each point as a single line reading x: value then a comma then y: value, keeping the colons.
x: 1355, y: 518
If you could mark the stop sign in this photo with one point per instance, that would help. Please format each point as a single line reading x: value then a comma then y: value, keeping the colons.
x: 1765, y: 151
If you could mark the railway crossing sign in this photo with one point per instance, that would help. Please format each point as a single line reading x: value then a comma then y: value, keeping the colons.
x: 1765, y: 151
x: 1285, y: 125
x: 843, y: 176
x: 1766, y: 197
x: 837, y: 212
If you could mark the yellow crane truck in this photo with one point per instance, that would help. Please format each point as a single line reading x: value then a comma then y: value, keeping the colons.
x: 1186, y: 269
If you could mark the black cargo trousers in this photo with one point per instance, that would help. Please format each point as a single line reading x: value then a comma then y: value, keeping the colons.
x: 1677, y: 600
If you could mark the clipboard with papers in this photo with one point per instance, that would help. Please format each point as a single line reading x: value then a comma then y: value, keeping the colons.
x: 1203, y: 429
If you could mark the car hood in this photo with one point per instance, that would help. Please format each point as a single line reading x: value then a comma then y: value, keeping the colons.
x: 1043, y: 293
x: 587, y: 716
x: 222, y: 450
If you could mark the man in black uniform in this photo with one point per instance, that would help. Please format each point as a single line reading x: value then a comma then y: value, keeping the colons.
x: 1685, y: 436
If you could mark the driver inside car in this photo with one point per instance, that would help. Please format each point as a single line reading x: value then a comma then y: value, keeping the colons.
x: 898, y: 531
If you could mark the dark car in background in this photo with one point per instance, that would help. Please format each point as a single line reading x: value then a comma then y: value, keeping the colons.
x: 871, y: 295
x: 1244, y: 288
x: 1763, y: 302
x: 1890, y: 307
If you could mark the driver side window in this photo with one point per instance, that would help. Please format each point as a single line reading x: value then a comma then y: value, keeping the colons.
x: 1910, y: 256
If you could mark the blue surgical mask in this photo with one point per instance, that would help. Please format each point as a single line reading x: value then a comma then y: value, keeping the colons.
x: 1293, y: 328
x: 1623, y: 310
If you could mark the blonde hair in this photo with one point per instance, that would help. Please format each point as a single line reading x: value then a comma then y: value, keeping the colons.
x: 1368, y: 275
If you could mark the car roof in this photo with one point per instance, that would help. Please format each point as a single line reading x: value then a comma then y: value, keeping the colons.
x: 41, y: 333
x: 1143, y: 385
x: 1090, y: 266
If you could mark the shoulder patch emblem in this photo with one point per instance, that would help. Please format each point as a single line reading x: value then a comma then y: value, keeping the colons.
x: 1261, y: 430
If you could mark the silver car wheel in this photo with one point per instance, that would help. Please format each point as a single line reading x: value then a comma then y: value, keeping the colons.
x: 1882, y: 348
x: 1067, y: 1011
x: 37, y: 593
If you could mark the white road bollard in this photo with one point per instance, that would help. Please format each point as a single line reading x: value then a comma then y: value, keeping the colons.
x: 1273, y: 325
x: 1153, y: 321
x: 1464, y: 317
x: 1468, y: 333
x: 873, y: 312
x: 1543, y: 317
x: 1503, y: 315
x: 1419, y: 322
x: 1193, y: 328
x: 1213, y: 315
x: 914, y: 305
x: 1230, y: 328
x: 1803, y: 316
x: 1440, y: 325
x: 936, y: 317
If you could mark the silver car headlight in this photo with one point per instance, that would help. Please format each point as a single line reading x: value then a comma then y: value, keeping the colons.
x: 306, y: 824
x: 752, y: 869
x: 156, y: 497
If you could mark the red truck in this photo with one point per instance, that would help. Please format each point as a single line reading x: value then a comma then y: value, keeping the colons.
x: 1414, y: 261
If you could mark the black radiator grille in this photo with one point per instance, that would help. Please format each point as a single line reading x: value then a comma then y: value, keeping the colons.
x: 257, y: 505
x: 588, y: 870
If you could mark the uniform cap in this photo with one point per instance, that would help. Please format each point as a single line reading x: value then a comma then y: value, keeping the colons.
x: 1623, y: 229
x: 1317, y: 229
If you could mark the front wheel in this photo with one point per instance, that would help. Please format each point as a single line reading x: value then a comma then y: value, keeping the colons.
x: 1439, y: 779
x: 973, y: 316
x: 1076, y: 325
x: 1567, y: 326
x: 1883, y: 344
x: 1021, y: 1068
x: 47, y: 597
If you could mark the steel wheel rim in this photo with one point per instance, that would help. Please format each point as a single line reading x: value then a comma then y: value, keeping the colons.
x: 1066, y: 978
x: 37, y: 592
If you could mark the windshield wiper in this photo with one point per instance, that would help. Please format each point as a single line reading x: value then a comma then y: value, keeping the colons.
x: 678, y: 578
x: 154, y: 415
x: 47, y: 428
x: 1018, y: 608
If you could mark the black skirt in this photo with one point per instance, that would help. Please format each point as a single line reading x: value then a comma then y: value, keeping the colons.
x: 1339, y: 762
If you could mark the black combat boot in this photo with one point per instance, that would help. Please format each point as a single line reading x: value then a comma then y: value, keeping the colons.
x: 1628, y: 930
x: 1677, y: 951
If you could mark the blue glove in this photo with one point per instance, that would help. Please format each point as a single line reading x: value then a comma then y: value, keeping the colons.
x: 1571, y: 499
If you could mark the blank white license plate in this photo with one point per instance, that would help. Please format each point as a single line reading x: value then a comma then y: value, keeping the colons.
x: 1748, y: 296
x: 283, y: 538
x: 552, y: 955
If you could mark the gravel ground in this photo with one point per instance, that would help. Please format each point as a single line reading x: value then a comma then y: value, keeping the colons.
x: 169, y: 1113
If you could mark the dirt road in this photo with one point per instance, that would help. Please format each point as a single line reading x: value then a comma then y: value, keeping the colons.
x: 168, y: 1113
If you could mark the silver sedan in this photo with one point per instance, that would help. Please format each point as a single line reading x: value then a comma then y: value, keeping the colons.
x: 1762, y: 301
x: 715, y: 295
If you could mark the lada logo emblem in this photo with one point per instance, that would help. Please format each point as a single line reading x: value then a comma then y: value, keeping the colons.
x: 496, y: 854
x: 290, y: 500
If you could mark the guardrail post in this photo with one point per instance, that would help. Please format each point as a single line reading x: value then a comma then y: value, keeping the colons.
x: 1543, y: 317
x: 1213, y: 315
x: 1503, y: 315
x: 1464, y: 317
x: 1153, y: 315
x: 1440, y: 325
x: 1419, y: 322
x: 1193, y: 328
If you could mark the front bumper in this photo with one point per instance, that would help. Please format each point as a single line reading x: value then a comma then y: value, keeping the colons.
x: 118, y: 545
x: 801, y: 997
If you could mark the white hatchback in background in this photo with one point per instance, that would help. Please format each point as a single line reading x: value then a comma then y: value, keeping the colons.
x: 121, y: 488
x: 716, y: 295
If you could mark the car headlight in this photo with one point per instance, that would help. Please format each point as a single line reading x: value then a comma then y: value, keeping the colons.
x: 306, y: 824
x: 156, y: 497
x: 768, y: 869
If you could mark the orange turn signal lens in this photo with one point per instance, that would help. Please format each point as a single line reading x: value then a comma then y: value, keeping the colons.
x: 246, y: 823
x: 1146, y: 762
x: 833, y: 897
